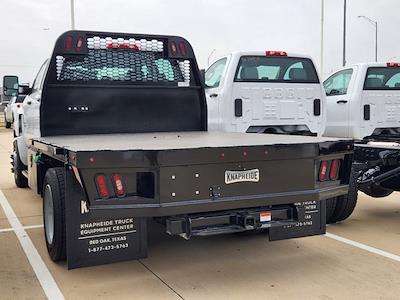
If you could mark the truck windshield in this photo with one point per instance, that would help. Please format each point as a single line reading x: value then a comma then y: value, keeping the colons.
x: 276, y: 69
x: 121, y: 66
x: 382, y: 78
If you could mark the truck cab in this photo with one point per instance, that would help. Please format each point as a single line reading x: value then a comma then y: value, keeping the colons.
x: 265, y: 92
x: 363, y: 101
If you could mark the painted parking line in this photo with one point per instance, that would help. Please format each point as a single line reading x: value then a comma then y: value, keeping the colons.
x: 43, y: 274
x: 24, y: 227
x: 363, y: 247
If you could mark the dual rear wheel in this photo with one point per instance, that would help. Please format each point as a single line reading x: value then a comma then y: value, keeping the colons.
x: 54, y: 213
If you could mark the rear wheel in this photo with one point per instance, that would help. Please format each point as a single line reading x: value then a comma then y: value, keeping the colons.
x: 54, y: 213
x: 330, y: 208
x: 346, y: 204
x: 18, y: 167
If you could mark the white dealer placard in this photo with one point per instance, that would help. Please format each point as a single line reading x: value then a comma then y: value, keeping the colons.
x: 242, y: 176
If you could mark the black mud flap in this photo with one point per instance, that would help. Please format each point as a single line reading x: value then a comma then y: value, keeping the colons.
x: 94, y: 241
x: 311, y: 221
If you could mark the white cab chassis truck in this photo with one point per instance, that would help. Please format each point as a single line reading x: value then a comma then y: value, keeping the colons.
x: 115, y: 134
x: 363, y: 103
x: 265, y: 92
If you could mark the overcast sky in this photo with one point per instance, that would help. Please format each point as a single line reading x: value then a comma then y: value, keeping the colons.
x: 28, y: 28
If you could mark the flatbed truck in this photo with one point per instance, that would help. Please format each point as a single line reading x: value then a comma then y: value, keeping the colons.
x: 115, y: 133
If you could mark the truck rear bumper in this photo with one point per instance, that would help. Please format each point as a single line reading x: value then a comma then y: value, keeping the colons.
x: 209, y: 205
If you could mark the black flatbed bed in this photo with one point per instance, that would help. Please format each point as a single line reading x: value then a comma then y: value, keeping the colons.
x: 172, y: 141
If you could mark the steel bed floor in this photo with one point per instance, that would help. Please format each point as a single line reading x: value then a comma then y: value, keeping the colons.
x: 173, y: 141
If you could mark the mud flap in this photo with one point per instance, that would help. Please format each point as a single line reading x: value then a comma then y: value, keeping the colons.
x: 93, y: 240
x: 311, y: 221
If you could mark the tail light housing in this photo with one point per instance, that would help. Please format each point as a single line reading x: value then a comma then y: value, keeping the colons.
x: 101, y: 183
x: 118, y: 185
x: 323, y: 171
x: 334, y: 172
x: 329, y: 170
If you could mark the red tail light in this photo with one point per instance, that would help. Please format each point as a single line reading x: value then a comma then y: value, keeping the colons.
x: 18, y: 105
x: 118, y: 185
x: 335, y: 167
x: 182, y: 48
x: 393, y: 64
x: 68, y: 42
x: 276, y: 53
x: 174, y: 49
x: 323, y: 171
x: 102, y: 189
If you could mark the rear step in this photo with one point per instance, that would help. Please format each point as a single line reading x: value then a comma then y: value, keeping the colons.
x: 231, y: 221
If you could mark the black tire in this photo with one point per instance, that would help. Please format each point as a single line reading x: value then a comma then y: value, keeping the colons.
x: 20, y: 180
x: 54, y: 213
x: 346, y: 204
x: 330, y: 208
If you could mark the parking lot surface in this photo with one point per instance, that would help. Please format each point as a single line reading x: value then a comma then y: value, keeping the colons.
x: 358, y: 259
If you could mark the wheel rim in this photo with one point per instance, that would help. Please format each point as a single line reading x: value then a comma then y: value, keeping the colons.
x: 48, y: 214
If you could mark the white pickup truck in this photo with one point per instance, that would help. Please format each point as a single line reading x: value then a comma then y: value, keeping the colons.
x: 363, y: 103
x: 363, y: 100
x: 265, y: 92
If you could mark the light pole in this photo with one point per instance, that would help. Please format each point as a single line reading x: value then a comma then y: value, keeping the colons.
x: 72, y: 14
x: 344, y: 31
x: 375, y: 23
x: 322, y: 37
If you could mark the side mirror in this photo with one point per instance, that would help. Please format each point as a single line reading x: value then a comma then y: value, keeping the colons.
x: 203, y: 76
x: 10, y: 85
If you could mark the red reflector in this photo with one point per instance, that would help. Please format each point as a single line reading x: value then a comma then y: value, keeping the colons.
x: 393, y: 64
x: 118, y: 185
x: 18, y: 105
x: 335, y: 166
x: 79, y: 43
x: 101, y: 183
x: 182, y: 48
x: 323, y: 170
x: 68, y: 42
x: 276, y: 53
x: 174, y: 50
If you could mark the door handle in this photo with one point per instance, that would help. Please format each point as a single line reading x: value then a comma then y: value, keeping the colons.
x: 213, y: 95
x: 341, y: 101
x: 29, y: 102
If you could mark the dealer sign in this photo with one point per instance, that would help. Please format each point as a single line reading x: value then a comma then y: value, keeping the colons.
x: 242, y: 176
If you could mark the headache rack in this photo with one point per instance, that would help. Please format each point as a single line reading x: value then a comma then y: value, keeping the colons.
x: 99, y: 82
